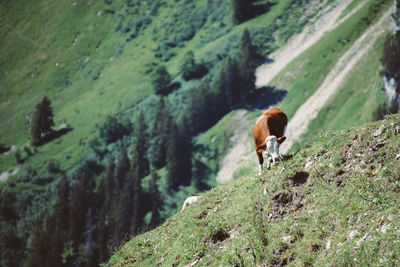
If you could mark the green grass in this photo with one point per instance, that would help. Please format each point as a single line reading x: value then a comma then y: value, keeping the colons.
x: 356, y: 99
x: 74, y: 55
x: 350, y: 186
x: 304, y: 74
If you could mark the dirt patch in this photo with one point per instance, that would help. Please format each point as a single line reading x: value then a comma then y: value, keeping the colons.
x: 219, y: 235
x: 299, y: 178
x: 300, y: 43
x: 366, y: 153
x: 285, y: 202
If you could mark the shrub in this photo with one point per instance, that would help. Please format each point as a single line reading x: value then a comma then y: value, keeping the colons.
x: 112, y: 130
x: 161, y: 81
x: 191, y: 70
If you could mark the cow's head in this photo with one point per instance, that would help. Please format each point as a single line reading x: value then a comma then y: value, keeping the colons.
x: 272, y: 147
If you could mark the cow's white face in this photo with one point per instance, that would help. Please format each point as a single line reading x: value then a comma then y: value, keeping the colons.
x: 272, y: 151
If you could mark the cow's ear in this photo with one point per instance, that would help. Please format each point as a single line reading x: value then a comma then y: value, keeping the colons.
x: 281, y: 139
x: 263, y: 146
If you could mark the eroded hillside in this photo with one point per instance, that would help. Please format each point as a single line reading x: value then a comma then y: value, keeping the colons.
x: 334, y: 203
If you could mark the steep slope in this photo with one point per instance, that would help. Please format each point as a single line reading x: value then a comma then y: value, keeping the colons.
x: 309, y: 110
x: 324, y: 55
x: 327, y: 21
x: 332, y: 203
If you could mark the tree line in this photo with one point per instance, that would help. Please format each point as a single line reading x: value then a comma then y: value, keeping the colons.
x: 95, y: 213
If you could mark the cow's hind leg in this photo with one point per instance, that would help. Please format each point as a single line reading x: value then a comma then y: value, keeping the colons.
x: 261, y: 161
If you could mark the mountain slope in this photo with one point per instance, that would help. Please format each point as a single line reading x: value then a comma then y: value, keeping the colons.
x: 334, y: 203
x: 344, y: 36
x: 298, y: 124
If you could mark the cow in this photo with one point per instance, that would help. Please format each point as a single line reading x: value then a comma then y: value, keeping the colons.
x: 269, y: 133
x: 189, y: 201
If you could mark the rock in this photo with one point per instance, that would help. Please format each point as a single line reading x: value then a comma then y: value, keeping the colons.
x: 351, y: 236
x: 384, y: 228
x: 309, y: 164
x: 286, y: 238
x: 328, y: 244
x: 398, y: 156
x: 379, y: 131
x: 396, y: 130
x: 12, y: 149
x: 359, y: 242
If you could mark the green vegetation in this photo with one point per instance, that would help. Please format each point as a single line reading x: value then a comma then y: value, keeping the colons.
x: 304, y: 74
x: 345, y: 115
x: 332, y: 203
x: 101, y: 64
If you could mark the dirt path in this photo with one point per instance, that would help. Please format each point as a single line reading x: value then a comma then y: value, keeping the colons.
x: 238, y: 155
x: 241, y: 152
x: 309, y: 110
x: 301, y: 42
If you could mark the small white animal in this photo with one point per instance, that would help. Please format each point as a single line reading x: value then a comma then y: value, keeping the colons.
x: 189, y: 201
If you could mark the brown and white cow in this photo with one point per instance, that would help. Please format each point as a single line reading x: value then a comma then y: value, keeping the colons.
x: 269, y: 133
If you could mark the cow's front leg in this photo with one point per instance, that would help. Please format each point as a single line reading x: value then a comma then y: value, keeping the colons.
x: 261, y: 161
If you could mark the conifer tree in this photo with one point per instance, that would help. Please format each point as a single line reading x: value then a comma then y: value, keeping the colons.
x: 42, y: 121
x: 242, y: 10
x: 159, y: 134
x: 62, y: 208
x: 220, y: 98
x: 161, y: 80
x: 173, y: 160
x: 140, y: 169
x: 232, y: 82
x: 39, y: 248
x: 190, y: 69
x: 80, y: 202
x: 156, y: 201
x: 185, y: 151
x: 247, y: 64
x: 125, y: 210
x: 123, y: 167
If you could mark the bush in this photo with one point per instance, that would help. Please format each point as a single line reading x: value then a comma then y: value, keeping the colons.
x: 3, y: 148
x: 112, y: 130
x: 191, y: 70
x: 161, y: 81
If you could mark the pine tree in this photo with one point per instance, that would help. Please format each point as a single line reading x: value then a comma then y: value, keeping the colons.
x: 232, y: 82
x: 173, y: 175
x: 190, y: 69
x: 242, y: 10
x: 39, y: 246
x: 159, y: 135
x: 247, y: 64
x: 221, y: 102
x: 185, y: 151
x: 161, y: 81
x: 42, y: 121
x: 62, y: 208
x: 123, y: 167
x: 156, y: 201
x: 140, y: 169
x: 125, y: 210
x: 80, y: 202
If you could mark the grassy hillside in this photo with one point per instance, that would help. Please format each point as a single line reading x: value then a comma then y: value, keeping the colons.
x: 357, y: 98
x: 334, y: 203
x: 306, y: 73
x: 95, y: 59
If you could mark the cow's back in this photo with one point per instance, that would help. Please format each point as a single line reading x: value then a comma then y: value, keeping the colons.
x: 276, y: 121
